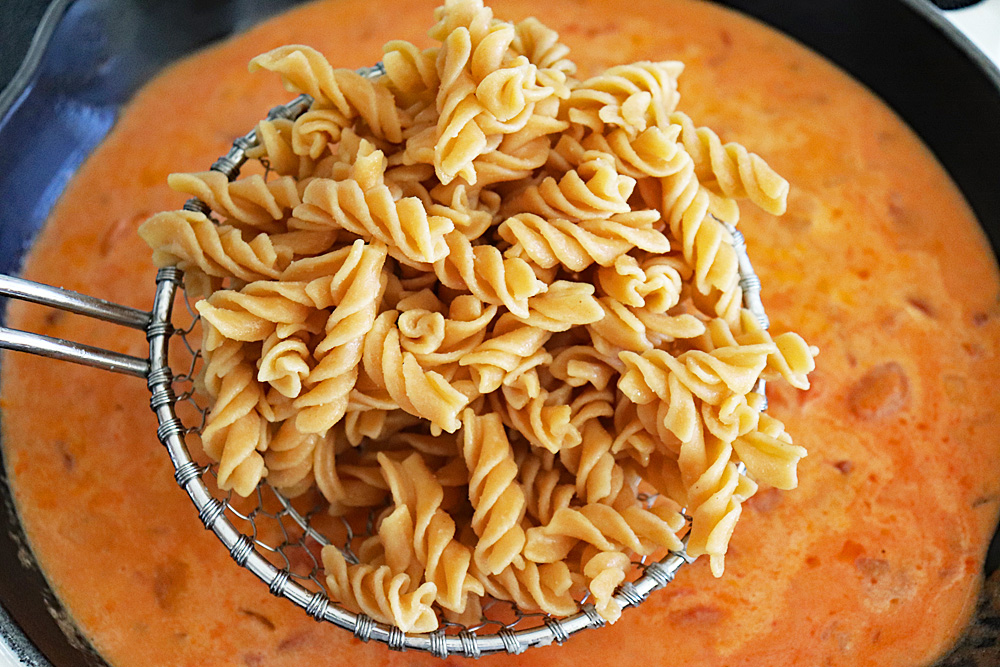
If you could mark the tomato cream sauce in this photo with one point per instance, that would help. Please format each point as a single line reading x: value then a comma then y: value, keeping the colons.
x: 874, y: 560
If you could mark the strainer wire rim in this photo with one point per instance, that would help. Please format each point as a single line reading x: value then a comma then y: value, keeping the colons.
x: 281, y: 583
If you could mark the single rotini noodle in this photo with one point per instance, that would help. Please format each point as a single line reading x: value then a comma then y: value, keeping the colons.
x: 484, y: 272
x: 635, y: 529
x: 711, y: 376
x: 663, y: 328
x: 220, y: 356
x: 632, y: 97
x: 485, y: 89
x: 498, y: 501
x: 792, y: 358
x: 276, y: 151
x: 286, y: 358
x: 520, y: 153
x: 705, y: 242
x: 599, y: 478
x: 316, y: 131
x: 716, y: 492
x: 423, y: 393
x: 656, y: 287
x: 563, y: 306
x: 577, y: 245
x: 253, y: 312
x: 380, y: 593
x: 544, y: 587
x: 234, y: 432
x: 352, y: 289
x: 437, y: 335
x: 541, y: 46
x: 736, y: 171
x: 458, y: 138
x: 289, y: 459
x: 446, y: 560
x: 305, y: 70
x: 251, y: 201
x: 733, y: 416
x: 190, y: 241
x: 653, y: 153
x: 363, y: 205
x: 604, y: 571
x: 411, y: 73
x: 593, y: 190
x: 769, y: 454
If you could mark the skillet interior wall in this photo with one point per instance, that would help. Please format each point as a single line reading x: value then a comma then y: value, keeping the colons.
x: 890, y: 45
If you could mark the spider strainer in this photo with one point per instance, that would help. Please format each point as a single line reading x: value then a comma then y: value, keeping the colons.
x: 275, y: 537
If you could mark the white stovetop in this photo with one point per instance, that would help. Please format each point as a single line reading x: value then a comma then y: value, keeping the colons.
x: 980, y: 23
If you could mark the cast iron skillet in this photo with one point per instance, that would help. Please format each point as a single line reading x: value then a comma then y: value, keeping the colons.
x: 90, y: 56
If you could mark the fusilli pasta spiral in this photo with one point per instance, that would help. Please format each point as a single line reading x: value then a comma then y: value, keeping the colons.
x: 498, y: 501
x: 492, y: 312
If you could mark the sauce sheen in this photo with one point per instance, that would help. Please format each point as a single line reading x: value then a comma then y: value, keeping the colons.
x: 874, y: 560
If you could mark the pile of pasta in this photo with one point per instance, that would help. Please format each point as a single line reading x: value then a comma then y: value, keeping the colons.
x: 495, y: 304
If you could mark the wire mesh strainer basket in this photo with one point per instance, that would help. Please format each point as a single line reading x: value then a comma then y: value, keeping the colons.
x: 277, y: 538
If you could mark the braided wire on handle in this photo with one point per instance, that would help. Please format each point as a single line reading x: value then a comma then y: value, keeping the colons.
x: 290, y: 567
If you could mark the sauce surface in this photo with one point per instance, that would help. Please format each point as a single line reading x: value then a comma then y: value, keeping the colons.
x: 874, y: 560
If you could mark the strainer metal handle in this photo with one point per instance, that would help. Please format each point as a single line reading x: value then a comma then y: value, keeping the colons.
x: 171, y: 432
x: 81, y: 304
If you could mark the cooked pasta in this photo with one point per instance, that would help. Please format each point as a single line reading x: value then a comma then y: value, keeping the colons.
x: 736, y: 171
x: 252, y: 313
x: 352, y: 290
x: 289, y: 459
x: 190, y: 241
x: 484, y: 272
x: 577, y: 245
x: 250, y: 201
x: 502, y: 353
x: 364, y: 205
x: 632, y: 97
x: 638, y: 530
x: 439, y: 336
x: 544, y: 491
x: 235, y: 431
x: 445, y: 560
x: 305, y: 70
x: 535, y: 586
x: 497, y: 501
x: 494, y: 309
x: 285, y: 358
x: 380, y: 593
x: 411, y: 73
x: 594, y: 190
x: 604, y: 570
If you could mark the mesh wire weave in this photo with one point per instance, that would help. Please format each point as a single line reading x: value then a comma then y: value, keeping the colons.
x: 279, y: 539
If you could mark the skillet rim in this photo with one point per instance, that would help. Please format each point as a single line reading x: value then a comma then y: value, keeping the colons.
x: 14, y: 642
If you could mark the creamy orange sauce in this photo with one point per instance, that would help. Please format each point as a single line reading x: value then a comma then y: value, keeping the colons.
x: 874, y: 560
